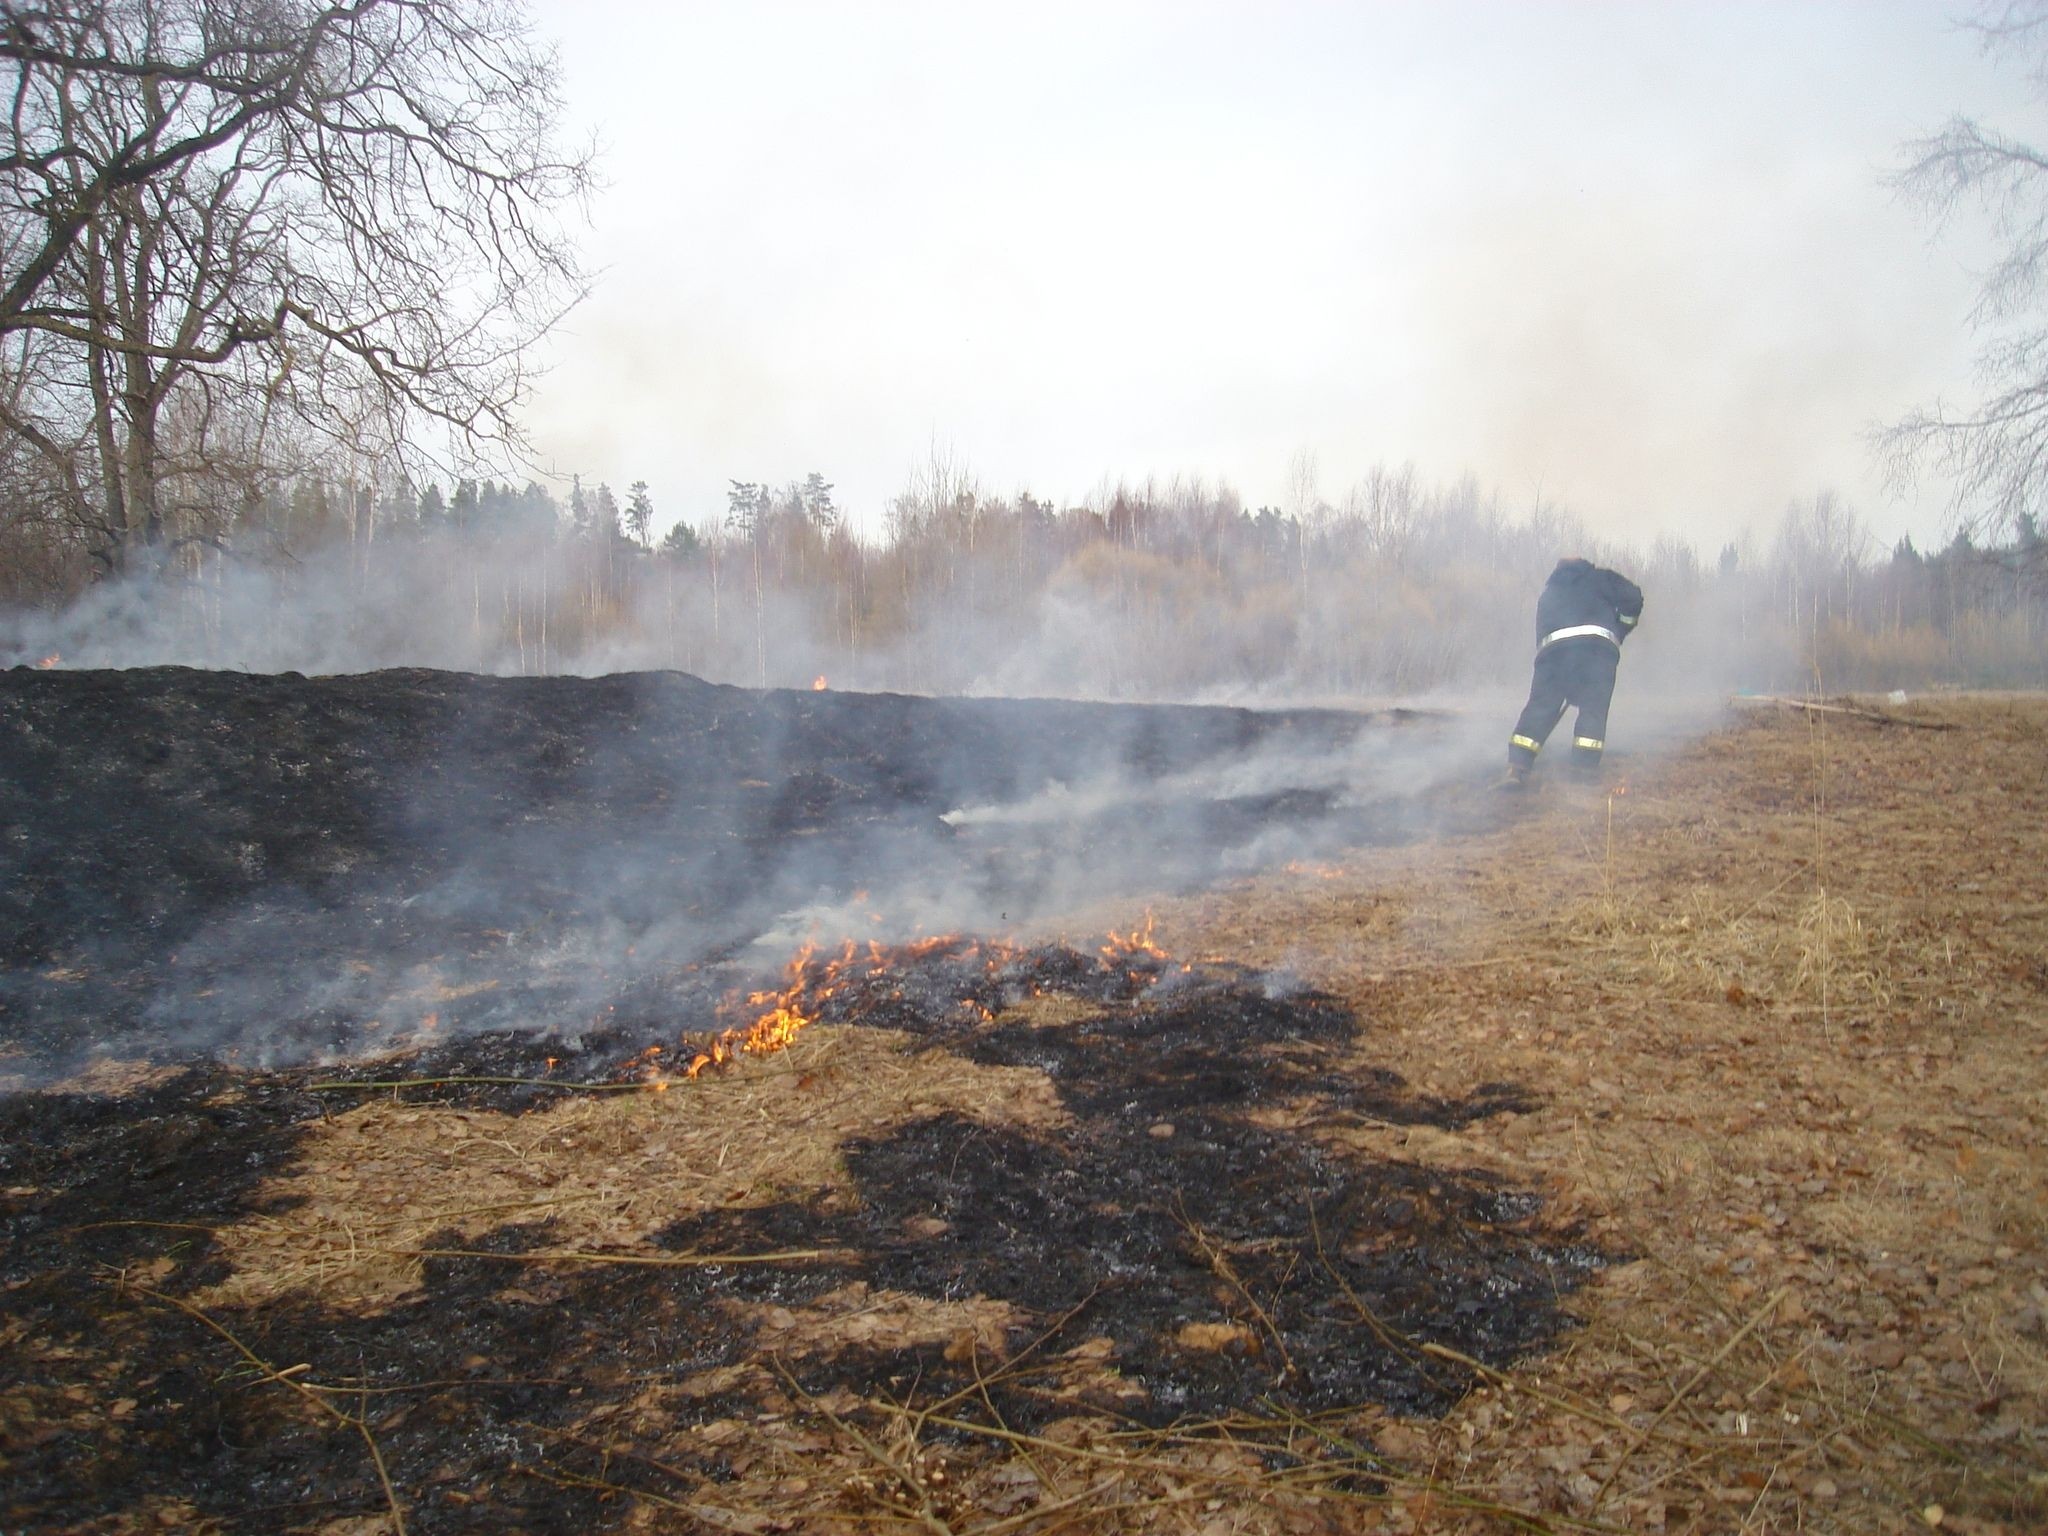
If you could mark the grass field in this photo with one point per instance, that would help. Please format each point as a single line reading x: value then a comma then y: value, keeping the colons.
x: 1785, y: 996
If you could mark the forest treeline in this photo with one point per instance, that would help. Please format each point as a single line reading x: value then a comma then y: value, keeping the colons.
x: 1147, y: 590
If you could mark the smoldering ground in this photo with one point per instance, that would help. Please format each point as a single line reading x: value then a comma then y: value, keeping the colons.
x: 281, y: 868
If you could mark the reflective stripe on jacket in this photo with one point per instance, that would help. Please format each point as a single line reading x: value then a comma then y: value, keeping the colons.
x: 1574, y: 631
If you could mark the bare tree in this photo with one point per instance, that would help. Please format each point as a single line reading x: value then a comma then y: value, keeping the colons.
x: 1823, y: 546
x: 1387, y: 507
x: 1305, y: 504
x: 273, y: 223
x: 1995, y: 451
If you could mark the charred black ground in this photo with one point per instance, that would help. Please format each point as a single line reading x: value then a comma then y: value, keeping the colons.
x: 1319, y: 1275
x: 287, y: 867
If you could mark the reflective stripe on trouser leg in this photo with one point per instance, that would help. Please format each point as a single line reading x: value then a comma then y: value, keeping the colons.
x: 1586, y: 752
x: 1545, y: 708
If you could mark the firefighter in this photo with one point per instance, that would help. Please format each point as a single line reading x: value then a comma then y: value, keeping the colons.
x: 1584, y: 614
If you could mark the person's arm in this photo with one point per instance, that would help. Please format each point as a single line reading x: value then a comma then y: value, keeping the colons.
x: 1627, y: 598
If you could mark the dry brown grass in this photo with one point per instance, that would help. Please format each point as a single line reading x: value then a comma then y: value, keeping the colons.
x: 1785, y: 1000
x: 380, y: 1182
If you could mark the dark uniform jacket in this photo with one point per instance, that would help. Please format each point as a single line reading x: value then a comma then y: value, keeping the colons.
x: 1583, y: 597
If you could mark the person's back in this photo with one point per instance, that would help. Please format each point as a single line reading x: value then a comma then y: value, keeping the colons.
x: 1580, y: 592
x: 1583, y: 615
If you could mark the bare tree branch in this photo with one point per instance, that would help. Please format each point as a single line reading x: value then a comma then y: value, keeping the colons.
x: 1994, y: 453
x: 287, y: 211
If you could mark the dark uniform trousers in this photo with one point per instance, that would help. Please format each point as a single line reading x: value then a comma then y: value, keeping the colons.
x: 1578, y: 671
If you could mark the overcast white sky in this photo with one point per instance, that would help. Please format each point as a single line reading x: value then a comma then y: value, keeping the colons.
x: 1634, y: 258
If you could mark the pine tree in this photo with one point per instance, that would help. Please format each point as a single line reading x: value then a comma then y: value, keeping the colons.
x: 536, y: 511
x: 743, y: 506
x: 815, y: 497
x: 639, y: 512
x: 400, y: 510
x: 604, y: 515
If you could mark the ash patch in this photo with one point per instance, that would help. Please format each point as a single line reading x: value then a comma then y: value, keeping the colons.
x: 1282, y: 1254
x: 111, y: 1174
x: 503, y: 1070
x: 946, y: 989
x: 1224, y: 1046
x: 480, y: 1395
x: 513, y: 1070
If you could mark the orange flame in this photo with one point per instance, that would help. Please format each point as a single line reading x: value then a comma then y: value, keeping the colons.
x: 49, y: 661
x: 785, y: 1012
x: 1138, y: 942
x: 648, y: 1065
x: 1316, y: 871
x: 818, y: 683
x: 811, y: 981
